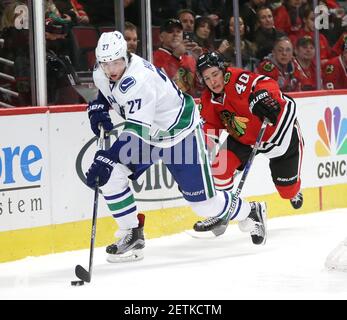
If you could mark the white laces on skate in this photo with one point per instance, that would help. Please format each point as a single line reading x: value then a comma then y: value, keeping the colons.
x: 121, y: 233
x: 258, y: 230
x: 210, y: 221
x: 125, y: 240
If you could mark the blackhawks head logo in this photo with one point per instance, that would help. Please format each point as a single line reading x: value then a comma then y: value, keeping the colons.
x: 268, y: 66
x: 329, y: 68
x: 236, y: 126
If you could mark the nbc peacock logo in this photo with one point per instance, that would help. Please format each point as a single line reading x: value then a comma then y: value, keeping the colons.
x: 332, y: 131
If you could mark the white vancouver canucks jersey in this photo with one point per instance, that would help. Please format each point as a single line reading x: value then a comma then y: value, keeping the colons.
x: 153, y: 108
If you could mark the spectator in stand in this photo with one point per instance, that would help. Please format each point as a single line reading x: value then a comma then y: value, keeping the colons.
x: 334, y: 71
x: 171, y: 57
x: 60, y: 71
x: 266, y: 34
x: 338, y: 46
x: 71, y: 10
x: 227, y: 47
x: 308, y: 31
x: 281, y: 67
x: 57, y: 26
x: 15, y: 47
x: 287, y: 18
x: 81, y: 15
x: 213, y: 9
x: 337, y: 21
x: 204, y: 34
x: 130, y: 36
x: 305, y: 58
x: 248, y: 12
x: 187, y: 19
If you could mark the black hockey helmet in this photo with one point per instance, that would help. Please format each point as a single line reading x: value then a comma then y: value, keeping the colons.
x: 208, y: 60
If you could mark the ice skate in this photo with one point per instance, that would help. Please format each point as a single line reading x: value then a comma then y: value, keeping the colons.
x: 129, y: 246
x: 297, y: 201
x: 255, y: 223
x: 212, y: 226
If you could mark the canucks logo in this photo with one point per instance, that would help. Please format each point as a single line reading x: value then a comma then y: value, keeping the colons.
x: 332, y: 131
x: 126, y: 84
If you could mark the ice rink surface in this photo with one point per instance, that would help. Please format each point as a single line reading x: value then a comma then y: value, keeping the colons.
x: 289, y: 266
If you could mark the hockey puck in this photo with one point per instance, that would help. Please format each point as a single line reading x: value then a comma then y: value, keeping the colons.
x: 77, y: 283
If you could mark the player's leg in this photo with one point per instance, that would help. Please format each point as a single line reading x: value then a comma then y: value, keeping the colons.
x: 230, y: 158
x: 121, y: 203
x: 122, y: 206
x: 286, y: 169
x: 196, y: 184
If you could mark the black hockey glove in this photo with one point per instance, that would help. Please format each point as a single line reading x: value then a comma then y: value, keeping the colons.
x: 98, y: 113
x: 101, y: 168
x: 263, y: 106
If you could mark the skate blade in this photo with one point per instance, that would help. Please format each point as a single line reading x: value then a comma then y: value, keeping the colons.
x: 133, y: 255
x: 200, y: 235
x: 264, y: 221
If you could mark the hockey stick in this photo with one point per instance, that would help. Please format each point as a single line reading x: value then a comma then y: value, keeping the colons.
x: 235, y: 197
x: 80, y: 272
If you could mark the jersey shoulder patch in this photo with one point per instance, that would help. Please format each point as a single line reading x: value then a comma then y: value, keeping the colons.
x: 126, y: 84
x: 227, y: 77
x: 329, y: 69
x: 268, y: 66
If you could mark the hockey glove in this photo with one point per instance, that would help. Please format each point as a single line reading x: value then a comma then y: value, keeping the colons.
x: 101, y: 168
x: 263, y: 106
x: 98, y: 114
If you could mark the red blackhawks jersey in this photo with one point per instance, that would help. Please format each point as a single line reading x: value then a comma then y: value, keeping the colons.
x: 289, y: 79
x: 181, y: 70
x: 239, y: 84
x: 335, y: 74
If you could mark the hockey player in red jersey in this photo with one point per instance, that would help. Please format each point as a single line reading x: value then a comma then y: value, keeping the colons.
x: 237, y: 100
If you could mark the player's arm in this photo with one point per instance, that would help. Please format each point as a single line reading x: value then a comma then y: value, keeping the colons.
x: 98, y: 113
x: 106, y: 160
x: 139, y: 110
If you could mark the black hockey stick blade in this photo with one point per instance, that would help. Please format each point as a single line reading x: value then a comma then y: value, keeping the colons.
x: 82, y: 273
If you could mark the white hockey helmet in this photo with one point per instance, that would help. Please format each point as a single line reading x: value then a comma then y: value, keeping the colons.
x: 111, y: 46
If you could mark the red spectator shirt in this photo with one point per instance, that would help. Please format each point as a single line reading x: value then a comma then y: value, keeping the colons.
x: 288, y: 80
x: 239, y: 84
x: 337, y: 48
x: 181, y: 70
x: 308, y: 79
x: 78, y: 7
x: 335, y: 74
x: 283, y: 23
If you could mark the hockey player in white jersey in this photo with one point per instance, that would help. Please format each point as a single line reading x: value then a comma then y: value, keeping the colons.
x: 160, y: 123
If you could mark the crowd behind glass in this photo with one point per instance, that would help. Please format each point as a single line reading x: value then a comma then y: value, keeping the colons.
x: 277, y: 40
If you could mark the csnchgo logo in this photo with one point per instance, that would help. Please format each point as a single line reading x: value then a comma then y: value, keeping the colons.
x: 332, y: 132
